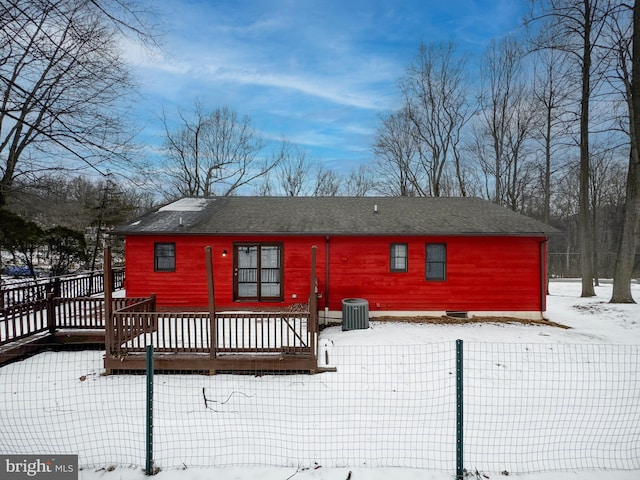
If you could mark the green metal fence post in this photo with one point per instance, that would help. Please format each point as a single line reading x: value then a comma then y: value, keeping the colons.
x: 459, y: 413
x: 149, y: 437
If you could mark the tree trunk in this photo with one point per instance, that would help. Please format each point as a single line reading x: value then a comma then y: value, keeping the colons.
x: 631, y: 217
x: 6, y: 182
x: 595, y: 263
x: 623, y: 269
x: 547, y: 168
x: 585, y: 242
x: 498, y: 192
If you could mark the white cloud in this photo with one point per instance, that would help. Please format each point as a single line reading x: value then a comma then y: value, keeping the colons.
x: 358, y: 86
x: 334, y: 89
x: 317, y: 72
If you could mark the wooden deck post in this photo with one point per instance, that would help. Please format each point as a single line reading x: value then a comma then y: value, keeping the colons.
x: 108, y: 309
x: 57, y: 287
x: 213, y: 342
x: 51, y: 313
x: 312, y: 328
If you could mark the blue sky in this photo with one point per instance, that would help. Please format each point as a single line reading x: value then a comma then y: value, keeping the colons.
x: 319, y: 73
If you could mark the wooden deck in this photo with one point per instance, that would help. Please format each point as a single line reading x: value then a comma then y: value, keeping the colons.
x: 243, y: 341
x: 29, y: 328
x: 209, y: 341
x: 213, y: 341
x: 231, y: 341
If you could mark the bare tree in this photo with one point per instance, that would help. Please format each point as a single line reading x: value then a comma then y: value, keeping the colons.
x: 297, y: 175
x: 478, y: 149
x: 574, y: 27
x: 213, y: 153
x: 519, y: 169
x: 606, y: 179
x: 328, y: 182
x: 75, y: 202
x: 64, y: 85
x: 551, y: 91
x: 360, y: 181
x: 293, y: 171
x: 396, y: 151
x: 508, y: 117
x: 626, y: 45
x: 435, y: 90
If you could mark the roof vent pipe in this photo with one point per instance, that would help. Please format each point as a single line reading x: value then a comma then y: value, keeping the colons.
x: 180, y: 224
x: 375, y: 208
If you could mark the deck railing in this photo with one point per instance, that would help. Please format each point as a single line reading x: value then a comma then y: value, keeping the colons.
x: 89, y: 313
x: 131, y: 318
x: 70, y: 286
x: 172, y: 332
x: 134, y: 304
x: 23, y: 320
x: 189, y: 332
x: 263, y: 332
x: 232, y: 335
x: 130, y: 324
x: 214, y: 340
x: 81, y: 313
x: 207, y: 339
x: 48, y: 315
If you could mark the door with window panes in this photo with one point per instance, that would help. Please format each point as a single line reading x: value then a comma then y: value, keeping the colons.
x: 258, y: 272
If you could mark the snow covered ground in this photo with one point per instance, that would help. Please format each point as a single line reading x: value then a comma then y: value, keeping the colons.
x: 593, y: 322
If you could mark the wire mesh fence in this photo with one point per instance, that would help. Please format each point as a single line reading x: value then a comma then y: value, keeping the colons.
x: 536, y: 408
x: 59, y: 403
x: 381, y: 409
x: 527, y: 408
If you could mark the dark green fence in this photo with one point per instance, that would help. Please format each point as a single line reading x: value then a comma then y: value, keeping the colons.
x: 493, y: 408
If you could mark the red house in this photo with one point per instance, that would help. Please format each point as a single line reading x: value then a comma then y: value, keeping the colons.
x: 404, y: 255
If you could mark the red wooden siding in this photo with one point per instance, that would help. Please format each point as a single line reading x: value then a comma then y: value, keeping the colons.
x: 187, y: 286
x: 483, y: 273
x: 488, y: 273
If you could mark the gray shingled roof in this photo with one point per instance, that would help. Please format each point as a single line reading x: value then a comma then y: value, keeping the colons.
x: 334, y: 216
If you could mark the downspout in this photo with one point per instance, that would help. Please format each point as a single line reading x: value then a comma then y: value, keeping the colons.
x: 544, y: 284
x: 326, y: 279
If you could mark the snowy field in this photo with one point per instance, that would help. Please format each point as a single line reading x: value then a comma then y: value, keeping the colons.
x: 514, y: 354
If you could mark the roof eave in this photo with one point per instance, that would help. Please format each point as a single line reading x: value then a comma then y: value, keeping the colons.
x: 335, y: 234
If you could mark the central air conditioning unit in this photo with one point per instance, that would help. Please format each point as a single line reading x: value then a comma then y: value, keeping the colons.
x: 355, y: 314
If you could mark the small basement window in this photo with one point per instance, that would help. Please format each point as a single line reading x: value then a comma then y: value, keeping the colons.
x: 436, y: 261
x: 164, y: 257
x: 398, y: 257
